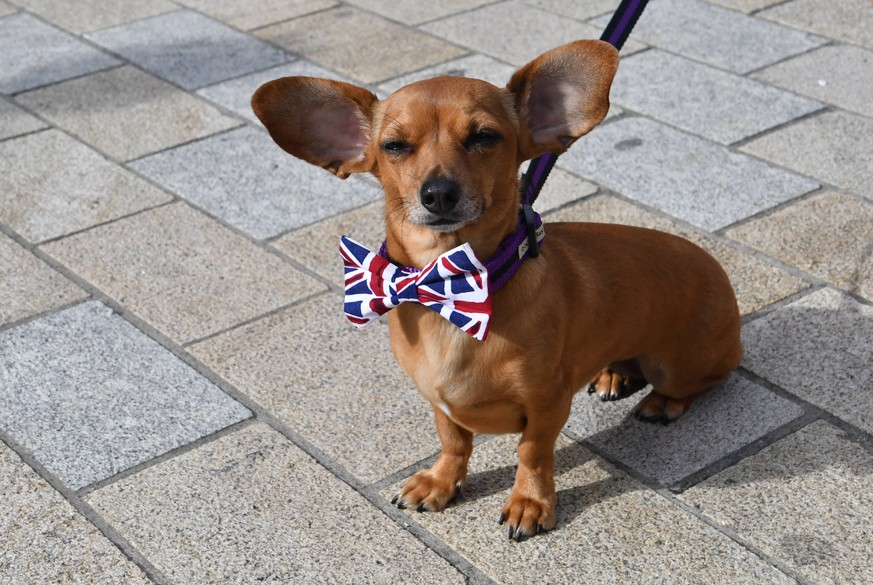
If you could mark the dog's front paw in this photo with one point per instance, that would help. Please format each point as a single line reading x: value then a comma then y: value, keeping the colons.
x: 610, y: 385
x: 527, y: 516
x: 427, y: 492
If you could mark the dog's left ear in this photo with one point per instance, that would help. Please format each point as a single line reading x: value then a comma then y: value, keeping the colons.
x: 561, y: 95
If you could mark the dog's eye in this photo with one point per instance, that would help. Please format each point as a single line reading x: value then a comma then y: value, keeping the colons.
x: 396, y: 147
x: 482, y: 139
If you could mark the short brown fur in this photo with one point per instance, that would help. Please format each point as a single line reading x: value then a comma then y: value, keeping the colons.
x: 653, y: 306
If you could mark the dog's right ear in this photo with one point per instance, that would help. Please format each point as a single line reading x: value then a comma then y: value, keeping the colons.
x: 324, y: 122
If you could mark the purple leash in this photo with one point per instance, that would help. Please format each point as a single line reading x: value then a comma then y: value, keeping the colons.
x: 616, y: 33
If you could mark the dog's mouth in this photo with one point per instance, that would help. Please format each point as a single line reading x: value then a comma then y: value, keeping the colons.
x: 444, y: 224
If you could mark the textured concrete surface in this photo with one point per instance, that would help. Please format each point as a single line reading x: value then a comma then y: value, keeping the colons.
x: 242, y: 178
x: 183, y: 272
x: 44, y: 540
x: 279, y: 530
x: 90, y: 395
x: 61, y: 55
x: 181, y: 400
x: 28, y: 286
x: 681, y: 174
x: 126, y: 113
x: 805, y: 501
x: 52, y: 185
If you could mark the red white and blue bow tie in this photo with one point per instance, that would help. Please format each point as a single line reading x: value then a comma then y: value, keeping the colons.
x: 455, y: 285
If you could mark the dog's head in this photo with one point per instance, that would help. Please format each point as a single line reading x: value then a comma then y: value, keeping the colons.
x: 446, y: 150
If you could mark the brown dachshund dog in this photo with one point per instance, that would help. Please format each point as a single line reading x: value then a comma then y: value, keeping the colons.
x: 612, y: 306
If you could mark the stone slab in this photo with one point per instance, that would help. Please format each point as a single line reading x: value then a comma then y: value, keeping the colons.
x: 15, y: 121
x: 94, y: 14
x: 316, y: 246
x: 756, y: 282
x: 836, y: 74
x: 182, y: 272
x: 245, y: 179
x: 578, y: 9
x: 338, y: 387
x: 251, y: 507
x: 717, y: 36
x: 360, y: 45
x: 818, y: 348
x: 236, y: 94
x: 90, y: 395
x: 683, y: 175
x: 727, y: 418
x: 805, y: 501
x: 28, y: 286
x: 846, y: 20
x: 835, y: 146
x: 126, y: 112
x: 512, y: 31
x: 610, y: 529
x: 829, y: 235
x: 6, y: 8
x: 60, y: 55
x: 188, y: 48
x: 714, y: 104
x: 414, y: 12
x: 476, y: 66
x: 44, y: 540
x: 747, y: 6
x: 52, y: 185
x: 246, y: 17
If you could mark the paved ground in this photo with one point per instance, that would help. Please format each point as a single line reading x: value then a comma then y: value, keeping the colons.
x: 182, y: 402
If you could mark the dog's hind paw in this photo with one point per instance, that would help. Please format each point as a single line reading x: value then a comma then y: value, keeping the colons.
x: 610, y: 385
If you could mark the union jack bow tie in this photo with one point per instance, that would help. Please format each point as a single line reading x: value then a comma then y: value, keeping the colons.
x: 455, y: 285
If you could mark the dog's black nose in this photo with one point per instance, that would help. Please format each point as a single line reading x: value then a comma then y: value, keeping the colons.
x: 440, y: 196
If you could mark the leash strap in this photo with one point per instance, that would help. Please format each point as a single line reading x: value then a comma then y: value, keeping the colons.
x: 616, y: 33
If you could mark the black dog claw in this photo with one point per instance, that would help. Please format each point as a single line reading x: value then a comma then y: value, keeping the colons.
x: 421, y: 507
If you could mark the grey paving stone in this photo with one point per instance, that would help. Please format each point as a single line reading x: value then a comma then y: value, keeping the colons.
x: 91, y: 15
x: 338, y: 387
x: 246, y: 17
x: 610, y: 529
x: 236, y: 94
x: 476, y: 66
x: 6, y: 8
x: 846, y: 20
x: 182, y: 272
x: 683, y: 175
x: 316, y: 246
x: 244, y: 178
x: 746, y: 6
x: 60, y: 56
x: 251, y: 507
x: 90, y: 395
x: 836, y: 147
x: 836, y: 74
x: 44, y: 540
x: 126, y: 112
x: 756, y: 282
x: 717, y: 36
x: 189, y: 49
x: 700, y: 99
x: 28, y: 286
x: 829, y: 235
x: 51, y: 185
x: 414, y: 12
x: 804, y: 501
x: 818, y: 348
x: 725, y: 419
x: 15, y: 121
x: 578, y: 9
x: 363, y: 46
x: 513, y: 31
